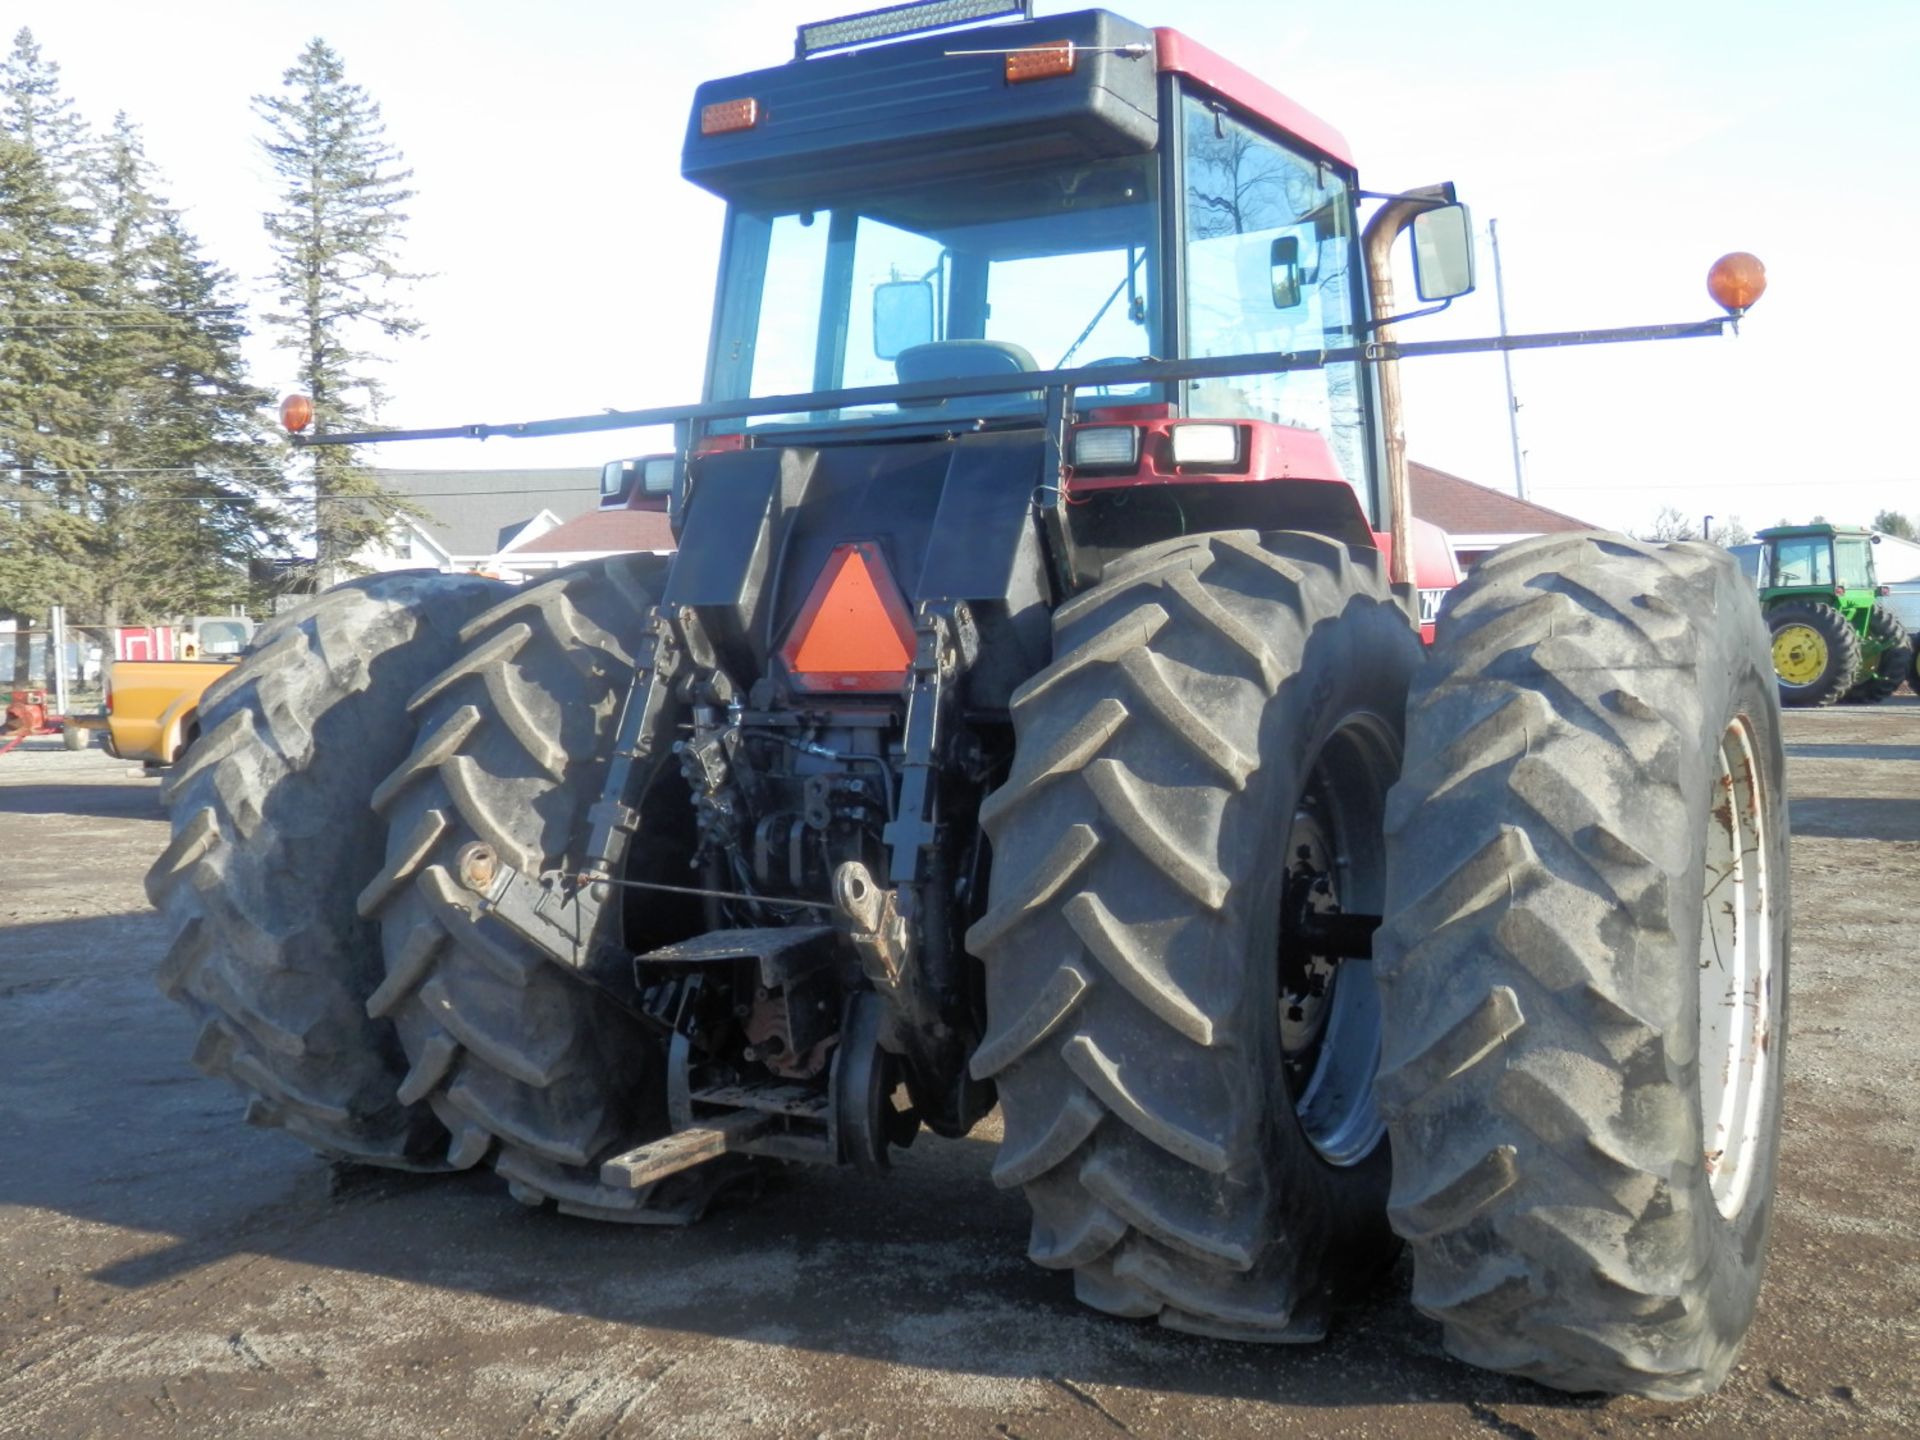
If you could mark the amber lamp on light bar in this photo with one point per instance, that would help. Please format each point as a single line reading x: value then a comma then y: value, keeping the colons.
x: 1737, y: 281
x: 296, y: 413
x: 1039, y: 62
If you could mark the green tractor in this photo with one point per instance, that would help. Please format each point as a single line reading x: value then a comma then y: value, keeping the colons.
x: 1832, y: 638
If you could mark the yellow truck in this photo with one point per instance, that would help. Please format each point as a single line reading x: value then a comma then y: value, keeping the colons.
x: 153, y: 706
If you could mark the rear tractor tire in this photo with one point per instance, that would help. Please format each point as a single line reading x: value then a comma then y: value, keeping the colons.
x: 1816, y: 653
x: 1188, y: 1097
x: 529, y: 1067
x: 1891, y: 666
x: 272, y: 840
x: 1583, y: 966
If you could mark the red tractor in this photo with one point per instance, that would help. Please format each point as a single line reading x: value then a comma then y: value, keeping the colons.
x: 1034, y: 713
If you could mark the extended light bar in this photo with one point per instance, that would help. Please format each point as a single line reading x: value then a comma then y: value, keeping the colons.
x: 895, y: 20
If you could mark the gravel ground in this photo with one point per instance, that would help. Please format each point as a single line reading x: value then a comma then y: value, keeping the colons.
x: 165, y: 1270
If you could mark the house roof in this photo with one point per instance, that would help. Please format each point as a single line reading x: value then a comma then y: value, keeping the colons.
x: 477, y: 512
x: 602, y: 532
x: 1461, y: 507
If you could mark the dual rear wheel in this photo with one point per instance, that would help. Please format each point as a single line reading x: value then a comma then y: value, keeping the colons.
x: 1557, y: 1080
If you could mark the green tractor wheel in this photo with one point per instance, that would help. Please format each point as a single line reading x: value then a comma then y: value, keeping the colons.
x: 1889, y: 660
x: 1816, y: 654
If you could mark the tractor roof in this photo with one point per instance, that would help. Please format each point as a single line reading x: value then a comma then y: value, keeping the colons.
x: 905, y: 110
x: 1177, y: 54
x: 1838, y: 532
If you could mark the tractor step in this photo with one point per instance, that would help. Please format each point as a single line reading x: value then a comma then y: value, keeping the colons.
x: 683, y: 1150
x: 796, y: 1100
x: 784, y: 953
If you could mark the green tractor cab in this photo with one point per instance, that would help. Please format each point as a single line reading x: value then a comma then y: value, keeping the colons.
x: 1832, y: 638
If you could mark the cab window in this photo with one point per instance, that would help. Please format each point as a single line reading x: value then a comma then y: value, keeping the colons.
x: 1269, y: 266
x: 1803, y: 560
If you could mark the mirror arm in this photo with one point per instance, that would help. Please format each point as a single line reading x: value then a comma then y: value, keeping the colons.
x: 1377, y: 244
x: 1369, y: 327
x: 1427, y: 197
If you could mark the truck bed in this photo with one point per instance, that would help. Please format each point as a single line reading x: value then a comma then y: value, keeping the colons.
x: 153, y: 706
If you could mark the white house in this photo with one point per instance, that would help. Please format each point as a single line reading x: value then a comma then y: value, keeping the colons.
x: 473, y: 519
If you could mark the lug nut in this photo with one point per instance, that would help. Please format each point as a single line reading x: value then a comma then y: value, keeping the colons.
x: 477, y: 865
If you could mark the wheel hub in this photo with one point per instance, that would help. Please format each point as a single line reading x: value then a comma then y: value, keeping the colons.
x: 1799, y: 654
x: 1328, y: 1006
x: 1305, y: 977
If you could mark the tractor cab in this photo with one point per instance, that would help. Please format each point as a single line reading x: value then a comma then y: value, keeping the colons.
x: 1076, y: 191
x: 1831, y: 561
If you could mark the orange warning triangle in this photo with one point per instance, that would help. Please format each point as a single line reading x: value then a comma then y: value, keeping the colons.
x: 854, y: 632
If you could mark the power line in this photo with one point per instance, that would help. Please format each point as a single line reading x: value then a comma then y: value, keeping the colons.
x: 1671, y: 485
x: 123, y: 310
x: 364, y: 495
x: 129, y: 470
x: 91, y: 326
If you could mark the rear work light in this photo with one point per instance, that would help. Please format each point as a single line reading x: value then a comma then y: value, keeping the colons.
x: 854, y: 632
x: 1206, y: 446
x: 1105, y: 447
x: 1039, y: 62
x: 723, y: 117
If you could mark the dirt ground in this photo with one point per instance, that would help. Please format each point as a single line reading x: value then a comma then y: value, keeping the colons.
x: 165, y: 1270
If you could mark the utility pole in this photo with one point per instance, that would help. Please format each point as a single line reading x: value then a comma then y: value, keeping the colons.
x: 57, y: 659
x: 1506, y: 363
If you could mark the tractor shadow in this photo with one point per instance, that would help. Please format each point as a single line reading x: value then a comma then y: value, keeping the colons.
x: 40, y: 777
x: 1855, y: 818
x: 105, y: 1122
x: 135, y: 800
x: 1840, y: 750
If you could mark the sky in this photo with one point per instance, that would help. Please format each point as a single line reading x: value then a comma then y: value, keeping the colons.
x: 1621, y: 148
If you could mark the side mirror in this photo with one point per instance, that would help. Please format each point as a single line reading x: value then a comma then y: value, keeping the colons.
x: 1285, y: 261
x: 902, y: 316
x: 615, y: 483
x: 649, y: 475
x: 1443, y: 253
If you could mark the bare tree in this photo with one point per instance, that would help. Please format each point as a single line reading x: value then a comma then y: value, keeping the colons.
x: 1673, y: 524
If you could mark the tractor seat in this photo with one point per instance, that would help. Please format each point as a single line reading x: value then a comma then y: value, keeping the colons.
x: 963, y: 360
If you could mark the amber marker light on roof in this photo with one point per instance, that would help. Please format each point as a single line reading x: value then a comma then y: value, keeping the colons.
x: 723, y: 117
x: 1039, y: 62
x: 1736, y: 281
x: 296, y: 413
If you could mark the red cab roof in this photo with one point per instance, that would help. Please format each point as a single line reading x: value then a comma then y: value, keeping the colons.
x: 1175, y: 52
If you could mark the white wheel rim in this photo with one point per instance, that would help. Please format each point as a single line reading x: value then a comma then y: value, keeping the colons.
x: 1739, y: 998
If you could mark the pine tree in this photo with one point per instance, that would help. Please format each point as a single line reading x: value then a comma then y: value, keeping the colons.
x: 179, y: 512
x: 35, y: 112
x: 50, y: 295
x: 336, y: 240
x: 1893, y: 522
